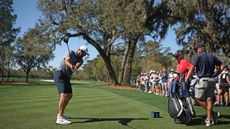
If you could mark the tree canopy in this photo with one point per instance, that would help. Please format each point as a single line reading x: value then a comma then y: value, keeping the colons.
x: 102, y: 24
x: 33, y: 50
x: 206, y: 21
x: 7, y: 36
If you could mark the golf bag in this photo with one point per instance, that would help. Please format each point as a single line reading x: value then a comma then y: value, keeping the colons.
x: 179, y: 103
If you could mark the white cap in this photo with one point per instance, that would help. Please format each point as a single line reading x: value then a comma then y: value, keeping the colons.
x: 85, y: 49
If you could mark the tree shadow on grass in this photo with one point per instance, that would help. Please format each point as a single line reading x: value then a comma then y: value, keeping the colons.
x: 122, y: 121
x: 225, y: 116
x: 222, y: 122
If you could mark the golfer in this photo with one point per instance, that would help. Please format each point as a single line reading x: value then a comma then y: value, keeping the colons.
x: 62, y: 80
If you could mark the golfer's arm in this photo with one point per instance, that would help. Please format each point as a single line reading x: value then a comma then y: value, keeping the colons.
x: 77, y: 66
x: 67, y: 62
x: 190, y: 72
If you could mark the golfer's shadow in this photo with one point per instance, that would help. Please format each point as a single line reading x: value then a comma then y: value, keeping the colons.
x: 122, y: 121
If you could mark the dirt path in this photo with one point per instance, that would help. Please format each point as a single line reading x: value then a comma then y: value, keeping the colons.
x: 14, y: 82
x: 122, y: 87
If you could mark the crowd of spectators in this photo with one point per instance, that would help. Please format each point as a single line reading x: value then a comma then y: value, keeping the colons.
x: 155, y: 82
x: 158, y: 83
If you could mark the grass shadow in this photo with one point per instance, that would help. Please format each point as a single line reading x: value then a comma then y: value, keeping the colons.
x: 200, y: 120
x: 225, y: 116
x: 195, y: 121
x: 122, y: 121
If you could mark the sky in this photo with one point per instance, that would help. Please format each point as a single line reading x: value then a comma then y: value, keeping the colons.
x: 28, y: 14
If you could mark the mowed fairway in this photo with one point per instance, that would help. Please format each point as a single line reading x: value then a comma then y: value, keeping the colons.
x: 93, y: 106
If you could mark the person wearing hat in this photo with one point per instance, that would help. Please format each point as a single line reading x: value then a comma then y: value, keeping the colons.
x: 182, y: 68
x: 73, y: 60
x: 205, y: 64
x: 183, y: 65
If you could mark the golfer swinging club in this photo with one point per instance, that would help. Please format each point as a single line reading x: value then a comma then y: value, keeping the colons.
x: 62, y: 80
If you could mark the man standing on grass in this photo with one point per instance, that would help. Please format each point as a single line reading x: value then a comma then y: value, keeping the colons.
x: 204, y: 90
x: 62, y: 80
x: 183, y: 66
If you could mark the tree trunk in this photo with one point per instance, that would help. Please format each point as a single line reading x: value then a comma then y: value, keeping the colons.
x: 109, y: 67
x: 8, y: 76
x: 8, y: 71
x: 106, y: 59
x: 3, y: 72
x: 121, y: 73
x: 128, y: 65
x: 3, y: 64
x: 27, y: 76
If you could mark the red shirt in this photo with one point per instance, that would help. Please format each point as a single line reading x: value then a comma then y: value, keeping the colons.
x: 183, y: 66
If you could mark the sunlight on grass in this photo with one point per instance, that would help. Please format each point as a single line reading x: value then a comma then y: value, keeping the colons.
x: 93, y: 106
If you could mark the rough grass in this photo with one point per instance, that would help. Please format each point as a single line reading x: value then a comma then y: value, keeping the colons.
x: 33, y: 106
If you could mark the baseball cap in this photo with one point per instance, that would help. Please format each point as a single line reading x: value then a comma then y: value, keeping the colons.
x: 178, y: 53
x: 199, y: 45
x: 85, y: 49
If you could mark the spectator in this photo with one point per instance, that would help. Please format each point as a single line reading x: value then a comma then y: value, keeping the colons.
x: 142, y: 82
x: 164, y: 78
x: 157, y: 86
x: 138, y: 81
x: 224, y: 83
x: 219, y: 97
x: 151, y: 81
x: 170, y: 78
x: 154, y: 76
x: 146, y: 79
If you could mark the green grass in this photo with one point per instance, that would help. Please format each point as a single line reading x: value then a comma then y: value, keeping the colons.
x: 34, y: 106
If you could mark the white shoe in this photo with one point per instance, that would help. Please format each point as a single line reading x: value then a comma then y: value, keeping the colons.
x: 208, y: 122
x: 66, y: 116
x: 62, y: 121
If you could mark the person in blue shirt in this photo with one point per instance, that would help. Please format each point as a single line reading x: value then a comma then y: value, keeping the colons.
x: 164, y: 83
x: 73, y: 60
x: 205, y: 64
